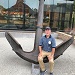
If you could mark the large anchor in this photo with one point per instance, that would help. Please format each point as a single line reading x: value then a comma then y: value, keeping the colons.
x: 33, y: 55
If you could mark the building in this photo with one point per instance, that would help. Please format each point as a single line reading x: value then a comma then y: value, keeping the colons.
x: 24, y: 14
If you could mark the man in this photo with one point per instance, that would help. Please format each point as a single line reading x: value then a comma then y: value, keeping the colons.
x: 47, y: 46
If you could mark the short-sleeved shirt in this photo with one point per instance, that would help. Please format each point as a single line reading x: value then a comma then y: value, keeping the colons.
x: 47, y: 43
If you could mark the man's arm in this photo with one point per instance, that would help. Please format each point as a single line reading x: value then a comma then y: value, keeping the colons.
x: 40, y: 46
x: 53, y: 51
x: 40, y: 50
x: 53, y: 47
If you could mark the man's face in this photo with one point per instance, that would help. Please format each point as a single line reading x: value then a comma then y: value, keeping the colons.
x: 48, y: 32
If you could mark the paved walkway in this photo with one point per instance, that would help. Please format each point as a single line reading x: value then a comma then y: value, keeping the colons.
x: 11, y: 64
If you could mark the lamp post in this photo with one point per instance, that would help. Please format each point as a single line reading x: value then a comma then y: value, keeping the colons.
x: 8, y: 13
x: 59, y: 6
x: 52, y: 15
x: 70, y: 19
x: 24, y: 15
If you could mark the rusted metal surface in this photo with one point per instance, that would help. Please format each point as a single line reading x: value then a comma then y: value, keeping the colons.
x: 32, y: 56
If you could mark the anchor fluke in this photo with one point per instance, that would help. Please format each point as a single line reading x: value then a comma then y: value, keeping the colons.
x: 32, y: 56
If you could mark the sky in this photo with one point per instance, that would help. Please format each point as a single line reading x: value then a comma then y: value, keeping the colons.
x: 30, y: 3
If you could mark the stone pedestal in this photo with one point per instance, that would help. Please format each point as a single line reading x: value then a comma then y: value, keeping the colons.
x: 35, y: 69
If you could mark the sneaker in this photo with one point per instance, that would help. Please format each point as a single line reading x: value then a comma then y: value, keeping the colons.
x: 51, y: 73
x: 42, y: 72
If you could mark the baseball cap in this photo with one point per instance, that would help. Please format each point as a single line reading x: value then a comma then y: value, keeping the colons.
x: 47, y: 28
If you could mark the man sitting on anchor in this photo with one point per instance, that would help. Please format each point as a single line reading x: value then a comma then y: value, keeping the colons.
x: 47, y: 47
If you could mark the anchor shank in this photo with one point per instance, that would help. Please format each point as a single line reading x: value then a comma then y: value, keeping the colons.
x: 39, y: 25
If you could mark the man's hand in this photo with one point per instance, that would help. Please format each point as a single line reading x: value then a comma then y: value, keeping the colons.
x: 50, y: 57
x: 40, y: 54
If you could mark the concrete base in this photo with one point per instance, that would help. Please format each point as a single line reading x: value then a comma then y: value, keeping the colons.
x: 35, y: 69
